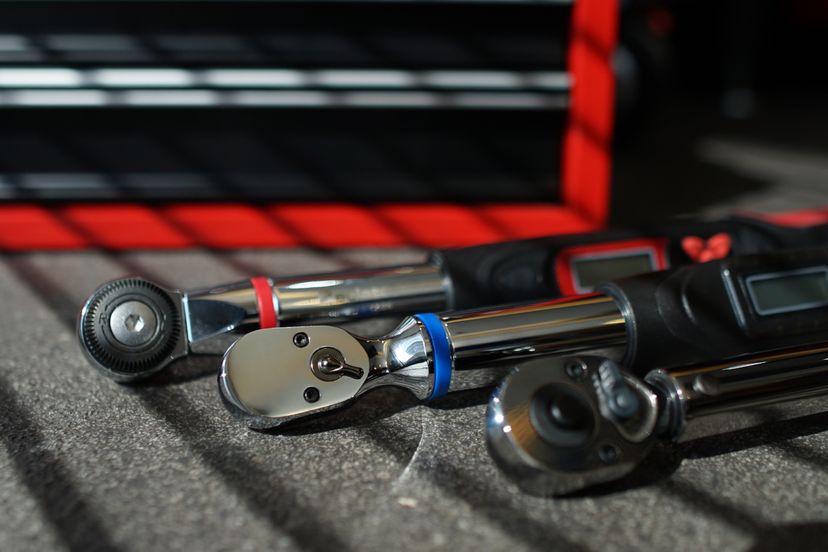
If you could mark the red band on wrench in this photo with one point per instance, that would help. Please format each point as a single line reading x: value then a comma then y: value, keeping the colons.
x: 264, y: 301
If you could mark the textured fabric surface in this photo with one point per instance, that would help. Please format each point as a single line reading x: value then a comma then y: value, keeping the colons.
x: 90, y: 464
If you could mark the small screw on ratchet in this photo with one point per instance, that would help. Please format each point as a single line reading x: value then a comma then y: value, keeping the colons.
x: 555, y: 431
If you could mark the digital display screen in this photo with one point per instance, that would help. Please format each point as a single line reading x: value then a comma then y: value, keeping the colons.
x: 788, y: 291
x: 591, y: 271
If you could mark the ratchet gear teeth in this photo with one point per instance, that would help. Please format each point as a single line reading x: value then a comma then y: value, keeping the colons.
x: 130, y: 328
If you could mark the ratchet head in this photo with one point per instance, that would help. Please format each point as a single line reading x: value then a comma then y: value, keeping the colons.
x: 272, y: 376
x: 563, y: 424
x: 131, y: 328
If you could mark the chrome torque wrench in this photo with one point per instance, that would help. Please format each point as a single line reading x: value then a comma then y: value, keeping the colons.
x: 694, y: 313
x: 564, y: 424
x: 132, y: 328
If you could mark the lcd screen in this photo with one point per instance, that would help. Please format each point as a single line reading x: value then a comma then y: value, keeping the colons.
x: 788, y: 291
x: 591, y: 271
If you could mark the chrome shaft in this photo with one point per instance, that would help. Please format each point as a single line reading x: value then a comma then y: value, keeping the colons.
x: 336, y: 297
x: 691, y: 393
x: 485, y: 343
x: 215, y: 316
x: 482, y: 339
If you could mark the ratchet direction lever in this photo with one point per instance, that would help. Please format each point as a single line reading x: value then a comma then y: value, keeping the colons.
x: 132, y: 328
x: 695, y: 313
x: 555, y: 426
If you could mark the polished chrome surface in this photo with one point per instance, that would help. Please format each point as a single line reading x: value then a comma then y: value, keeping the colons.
x: 335, y: 297
x: 264, y: 376
x: 486, y: 339
x: 402, y: 359
x: 484, y: 345
x: 769, y: 378
x: 611, y: 447
x: 672, y: 403
x: 214, y: 317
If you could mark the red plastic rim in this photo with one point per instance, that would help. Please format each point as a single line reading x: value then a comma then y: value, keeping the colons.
x: 264, y: 302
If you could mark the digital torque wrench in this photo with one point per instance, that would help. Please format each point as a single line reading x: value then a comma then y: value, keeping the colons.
x: 556, y: 425
x: 694, y: 313
x: 132, y: 328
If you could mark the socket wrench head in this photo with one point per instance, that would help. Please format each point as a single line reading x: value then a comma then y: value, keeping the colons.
x: 131, y: 328
x: 554, y: 425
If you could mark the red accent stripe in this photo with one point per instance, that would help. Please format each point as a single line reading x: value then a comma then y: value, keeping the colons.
x: 586, y: 165
x: 123, y: 226
x: 264, y: 302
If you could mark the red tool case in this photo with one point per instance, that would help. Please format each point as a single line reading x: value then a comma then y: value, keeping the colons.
x: 583, y: 191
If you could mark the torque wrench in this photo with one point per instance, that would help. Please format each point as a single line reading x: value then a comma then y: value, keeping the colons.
x: 694, y: 313
x: 558, y: 425
x: 132, y: 328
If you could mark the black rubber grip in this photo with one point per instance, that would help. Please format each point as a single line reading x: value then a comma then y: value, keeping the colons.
x: 687, y: 315
x: 509, y: 272
x: 524, y: 270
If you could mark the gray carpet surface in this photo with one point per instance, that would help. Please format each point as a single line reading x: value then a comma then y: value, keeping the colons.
x: 88, y: 464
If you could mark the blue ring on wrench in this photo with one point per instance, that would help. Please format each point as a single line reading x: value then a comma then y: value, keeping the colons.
x: 441, y: 353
